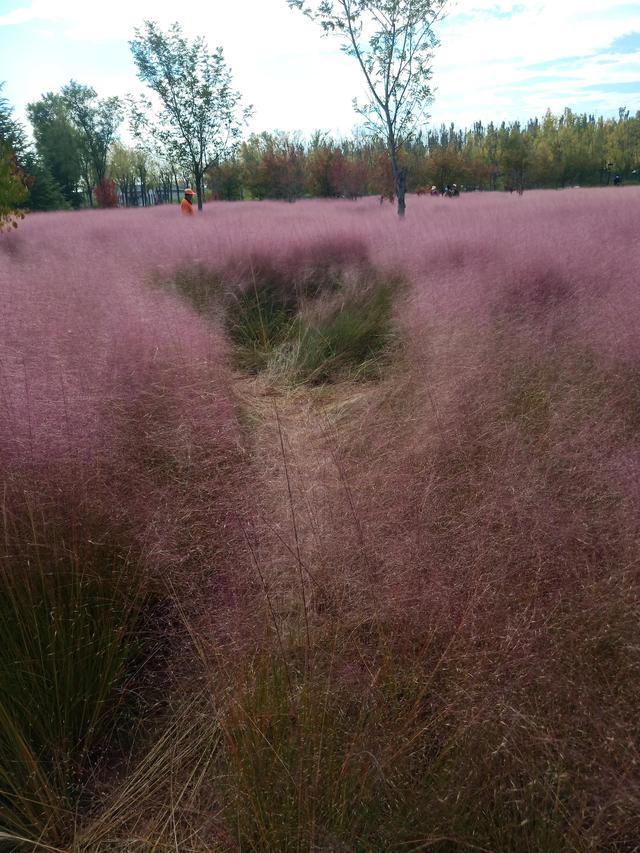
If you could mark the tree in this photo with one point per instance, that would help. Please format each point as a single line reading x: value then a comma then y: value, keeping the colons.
x: 200, y: 118
x: 25, y: 181
x: 123, y: 170
x: 168, y: 163
x: 254, y: 176
x: 274, y: 165
x: 320, y: 157
x: 12, y: 134
x: 283, y: 164
x: 225, y: 180
x: 624, y: 147
x: 393, y: 42
x: 96, y: 122
x: 44, y: 190
x: 133, y: 172
x: 107, y: 193
x: 57, y: 144
x: 515, y: 156
x: 13, y: 190
x: 145, y: 174
x: 445, y: 166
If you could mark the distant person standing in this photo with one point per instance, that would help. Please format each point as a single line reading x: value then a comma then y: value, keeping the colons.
x: 186, y: 205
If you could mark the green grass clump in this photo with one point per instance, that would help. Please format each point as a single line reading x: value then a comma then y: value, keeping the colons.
x: 378, y: 757
x: 317, y: 340
x: 352, y: 339
x: 259, y: 320
x: 309, y: 319
x: 349, y: 742
x: 68, y: 607
x: 300, y: 763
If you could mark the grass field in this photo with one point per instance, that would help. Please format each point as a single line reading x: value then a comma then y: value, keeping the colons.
x: 320, y: 529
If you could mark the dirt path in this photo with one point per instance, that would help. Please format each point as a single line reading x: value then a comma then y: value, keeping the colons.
x: 306, y: 504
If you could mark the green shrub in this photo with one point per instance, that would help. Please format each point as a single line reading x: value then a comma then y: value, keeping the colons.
x: 317, y: 339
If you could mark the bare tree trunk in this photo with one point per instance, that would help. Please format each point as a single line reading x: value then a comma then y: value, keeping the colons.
x: 401, y: 189
x: 199, y: 188
x: 400, y: 181
x: 87, y: 179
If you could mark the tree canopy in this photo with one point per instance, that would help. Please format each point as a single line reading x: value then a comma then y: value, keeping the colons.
x: 13, y: 189
x: 96, y: 121
x: 14, y: 152
x: 58, y: 144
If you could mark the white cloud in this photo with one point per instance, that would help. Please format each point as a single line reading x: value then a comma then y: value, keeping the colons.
x: 17, y: 16
x: 483, y: 55
x: 297, y: 79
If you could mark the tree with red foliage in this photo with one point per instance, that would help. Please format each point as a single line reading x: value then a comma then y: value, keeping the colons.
x: 383, y: 179
x: 320, y: 158
x: 275, y: 165
x: 348, y: 176
x: 107, y: 193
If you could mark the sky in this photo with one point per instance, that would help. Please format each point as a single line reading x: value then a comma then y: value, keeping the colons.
x: 498, y: 60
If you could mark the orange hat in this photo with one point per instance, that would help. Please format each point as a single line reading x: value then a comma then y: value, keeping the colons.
x: 189, y: 191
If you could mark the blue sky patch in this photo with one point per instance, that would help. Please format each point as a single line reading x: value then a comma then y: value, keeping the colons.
x: 624, y: 10
x: 552, y: 64
x: 628, y: 43
x: 624, y: 87
x: 541, y: 80
x: 500, y: 13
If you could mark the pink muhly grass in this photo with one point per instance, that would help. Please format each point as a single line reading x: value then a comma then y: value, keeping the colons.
x: 478, y: 517
x: 507, y: 292
x: 113, y: 394
x: 500, y: 479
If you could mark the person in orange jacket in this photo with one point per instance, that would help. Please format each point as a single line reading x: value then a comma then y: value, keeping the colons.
x: 186, y: 205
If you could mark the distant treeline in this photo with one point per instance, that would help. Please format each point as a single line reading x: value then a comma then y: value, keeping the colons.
x: 76, y: 158
x: 556, y: 151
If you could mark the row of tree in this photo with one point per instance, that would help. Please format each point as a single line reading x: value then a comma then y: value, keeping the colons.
x: 553, y: 152
x: 74, y: 132
x: 195, y: 119
x: 190, y: 132
x: 76, y: 150
x: 77, y: 156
